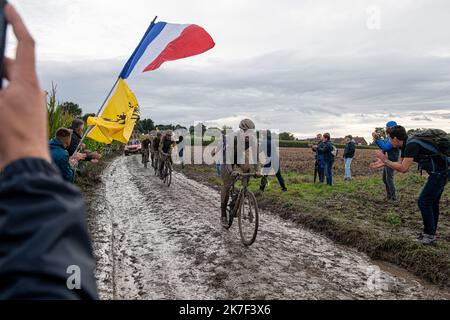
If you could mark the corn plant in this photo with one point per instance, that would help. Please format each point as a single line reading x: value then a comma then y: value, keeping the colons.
x: 57, y: 117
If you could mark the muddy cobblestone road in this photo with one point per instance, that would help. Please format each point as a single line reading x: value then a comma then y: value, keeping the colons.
x: 154, y: 242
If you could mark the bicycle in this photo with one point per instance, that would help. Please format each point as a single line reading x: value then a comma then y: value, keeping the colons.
x: 243, y: 205
x: 167, y: 169
x: 156, y: 163
x: 145, y: 157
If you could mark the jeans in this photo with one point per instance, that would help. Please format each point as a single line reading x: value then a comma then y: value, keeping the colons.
x: 429, y: 202
x: 348, y: 170
x: 320, y: 164
x: 329, y: 172
x: 388, y: 179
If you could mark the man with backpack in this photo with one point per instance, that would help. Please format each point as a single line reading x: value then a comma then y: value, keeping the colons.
x: 329, y: 152
x: 431, y: 150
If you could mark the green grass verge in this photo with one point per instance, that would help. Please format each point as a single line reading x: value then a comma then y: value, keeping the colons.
x: 355, y: 214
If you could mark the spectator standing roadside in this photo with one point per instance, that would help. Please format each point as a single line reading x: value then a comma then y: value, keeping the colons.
x: 77, y: 133
x: 60, y: 155
x: 181, y: 147
x: 42, y: 218
x: 221, y: 150
x: 349, y: 154
x: 320, y: 162
x: 431, y: 149
x: 327, y: 149
x: 393, y: 155
x: 272, y: 154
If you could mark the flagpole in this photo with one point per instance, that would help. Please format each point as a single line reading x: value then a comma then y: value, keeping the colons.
x: 98, y: 114
x: 110, y: 92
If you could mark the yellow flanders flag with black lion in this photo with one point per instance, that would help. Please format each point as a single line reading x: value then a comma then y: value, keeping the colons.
x: 119, y: 117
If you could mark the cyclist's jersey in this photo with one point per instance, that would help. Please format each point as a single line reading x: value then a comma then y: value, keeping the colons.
x: 146, y: 143
x: 155, y: 144
x: 227, y: 145
x: 166, y: 145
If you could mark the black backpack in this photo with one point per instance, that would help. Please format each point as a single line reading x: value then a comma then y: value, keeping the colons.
x: 436, y: 141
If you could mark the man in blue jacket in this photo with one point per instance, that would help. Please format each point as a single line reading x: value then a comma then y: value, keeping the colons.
x: 320, y: 163
x: 60, y: 155
x: 393, y: 155
x: 45, y: 251
x: 326, y: 148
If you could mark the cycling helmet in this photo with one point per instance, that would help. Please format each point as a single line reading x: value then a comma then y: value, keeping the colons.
x: 247, y: 124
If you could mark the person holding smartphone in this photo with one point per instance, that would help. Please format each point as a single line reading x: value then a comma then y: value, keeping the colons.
x: 45, y: 251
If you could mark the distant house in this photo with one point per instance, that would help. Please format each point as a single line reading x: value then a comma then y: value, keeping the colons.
x: 338, y: 140
x: 360, y: 141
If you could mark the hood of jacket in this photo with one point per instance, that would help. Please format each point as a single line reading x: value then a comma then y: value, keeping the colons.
x: 56, y: 144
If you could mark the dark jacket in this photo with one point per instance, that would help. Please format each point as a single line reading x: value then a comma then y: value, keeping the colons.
x: 74, y: 145
x: 350, y: 149
x: 155, y: 144
x: 60, y: 158
x: 319, y: 152
x: 146, y: 144
x: 42, y: 232
x: 326, y: 148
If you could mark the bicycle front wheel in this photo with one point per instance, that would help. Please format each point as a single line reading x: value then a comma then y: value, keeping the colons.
x: 248, y: 218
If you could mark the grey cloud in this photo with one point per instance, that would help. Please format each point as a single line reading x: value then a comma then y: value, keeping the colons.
x: 280, y: 89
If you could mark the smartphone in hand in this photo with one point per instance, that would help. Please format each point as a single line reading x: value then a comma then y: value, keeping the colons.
x: 2, y: 38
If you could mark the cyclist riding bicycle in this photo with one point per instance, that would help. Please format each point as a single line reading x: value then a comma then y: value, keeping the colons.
x: 165, y: 149
x: 146, y: 151
x: 152, y: 137
x: 229, y: 165
x: 155, y: 148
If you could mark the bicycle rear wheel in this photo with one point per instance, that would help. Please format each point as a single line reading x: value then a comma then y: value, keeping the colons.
x: 248, y: 218
x: 168, y: 173
x: 156, y: 166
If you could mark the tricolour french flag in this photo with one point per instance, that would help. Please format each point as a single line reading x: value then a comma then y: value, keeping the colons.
x: 167, y: 42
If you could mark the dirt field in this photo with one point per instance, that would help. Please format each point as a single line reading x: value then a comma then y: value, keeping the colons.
x: 302, y: 161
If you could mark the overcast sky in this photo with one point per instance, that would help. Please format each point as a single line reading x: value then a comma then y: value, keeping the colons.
x: 301, y: 66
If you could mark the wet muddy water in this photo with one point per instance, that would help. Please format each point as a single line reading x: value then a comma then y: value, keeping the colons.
x: 155, y: 242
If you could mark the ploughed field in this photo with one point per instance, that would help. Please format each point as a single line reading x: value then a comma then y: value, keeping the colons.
x: 301, y: 160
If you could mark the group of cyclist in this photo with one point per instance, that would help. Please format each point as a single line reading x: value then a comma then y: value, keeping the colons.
x: 235, y: 163
x: 157, y: 148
